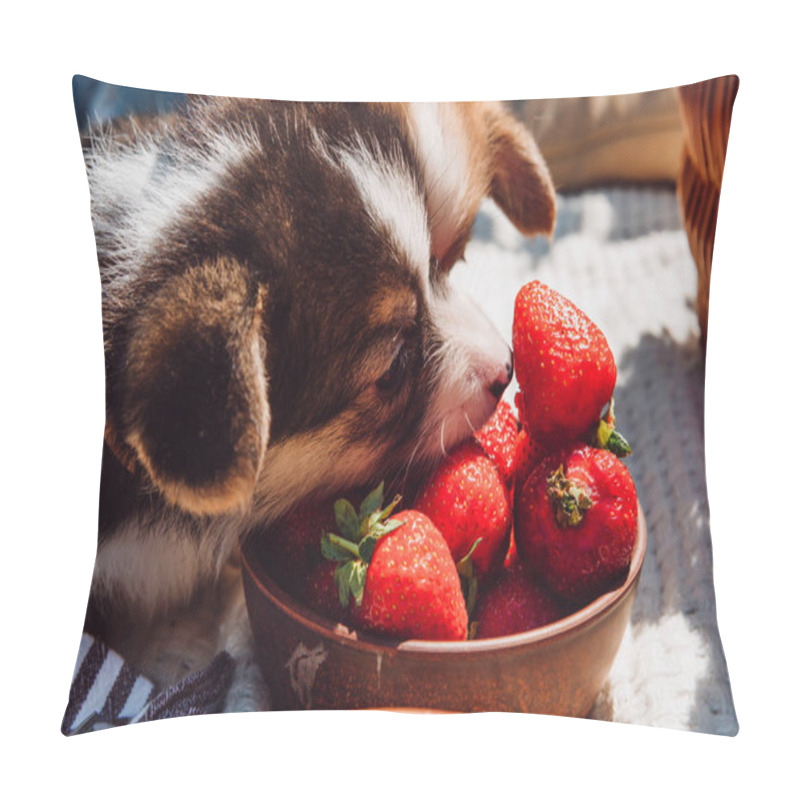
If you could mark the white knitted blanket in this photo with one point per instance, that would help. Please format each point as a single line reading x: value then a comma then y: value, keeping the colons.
x: 622, y: 256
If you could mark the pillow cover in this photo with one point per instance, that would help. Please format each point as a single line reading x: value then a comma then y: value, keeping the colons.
x: 285, y: 323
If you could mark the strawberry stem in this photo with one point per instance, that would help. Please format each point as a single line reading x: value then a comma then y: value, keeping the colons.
x: 344, y: 544
x: 570, y: 500
x: 607, y: 437
x: 388, y: 510
x: 618, y: 445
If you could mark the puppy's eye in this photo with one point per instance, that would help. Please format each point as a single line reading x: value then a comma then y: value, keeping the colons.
x: 394, y: 377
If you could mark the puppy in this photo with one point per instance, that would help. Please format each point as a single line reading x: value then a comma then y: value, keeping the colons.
x: 278, y: 322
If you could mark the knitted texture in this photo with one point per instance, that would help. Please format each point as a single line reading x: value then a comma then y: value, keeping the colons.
x: 623, y: 257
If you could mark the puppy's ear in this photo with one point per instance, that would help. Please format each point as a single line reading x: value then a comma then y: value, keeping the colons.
x: 194, y: 401
x: 520, y: 182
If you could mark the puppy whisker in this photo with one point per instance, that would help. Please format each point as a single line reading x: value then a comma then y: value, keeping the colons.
x: 469, y: 421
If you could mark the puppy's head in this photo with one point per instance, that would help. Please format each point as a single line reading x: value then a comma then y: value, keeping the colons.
x: 278, y: 318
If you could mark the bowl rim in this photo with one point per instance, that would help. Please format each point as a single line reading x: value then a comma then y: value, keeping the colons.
x: 553, y: 632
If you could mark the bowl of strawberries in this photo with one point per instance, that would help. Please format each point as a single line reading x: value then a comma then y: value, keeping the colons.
x: 505, y: 583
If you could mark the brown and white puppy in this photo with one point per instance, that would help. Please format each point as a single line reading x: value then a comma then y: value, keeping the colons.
x: 278, y: 322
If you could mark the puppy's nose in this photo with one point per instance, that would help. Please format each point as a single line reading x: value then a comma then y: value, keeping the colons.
x: 499, y: 386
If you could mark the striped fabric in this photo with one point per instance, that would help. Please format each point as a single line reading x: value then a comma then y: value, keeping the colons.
x: 107, y: 692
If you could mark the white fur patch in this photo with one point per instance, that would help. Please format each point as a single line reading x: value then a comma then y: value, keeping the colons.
x: 152, y: 563
x: 392, y: 199
x: 471, y: 358
x: 139, y: 189
x: 443, y: 153
x: 248, y: 690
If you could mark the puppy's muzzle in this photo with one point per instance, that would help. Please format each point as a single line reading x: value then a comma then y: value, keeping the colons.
x: 500, y: 384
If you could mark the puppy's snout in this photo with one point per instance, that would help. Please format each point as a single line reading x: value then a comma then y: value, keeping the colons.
x: 498, y: 386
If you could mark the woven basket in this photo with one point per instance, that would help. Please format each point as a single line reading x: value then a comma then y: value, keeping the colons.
x: 705, y: 109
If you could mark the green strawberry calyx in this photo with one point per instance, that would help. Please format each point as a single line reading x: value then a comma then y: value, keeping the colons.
x: 469, y: 581
x: 569, y: 499
x: 607, y: 437
x: 354, y: 545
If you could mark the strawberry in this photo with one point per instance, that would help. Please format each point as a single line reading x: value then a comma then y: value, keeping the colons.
x: 412, y: 587
x: 318, y: 590
x: 398, y: 578
x: 575, y: 522
x: 498, y: 438
x: 527, y: 454
x: 291, y: 546
x: 514, y: 603
x: 565, y: 368
x: 467, y: 500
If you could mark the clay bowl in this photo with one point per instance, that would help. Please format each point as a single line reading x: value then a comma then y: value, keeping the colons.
x: 311, y: 662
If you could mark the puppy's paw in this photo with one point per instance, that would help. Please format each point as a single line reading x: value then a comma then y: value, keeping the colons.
x: 248, y: 691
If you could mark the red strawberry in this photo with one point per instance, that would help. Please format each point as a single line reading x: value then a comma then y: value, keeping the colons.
x: 564, y: 366
x: 467, y: 500
x: 575, y: 522
x: 399, y: 578
x: 498, y: 438
x: 319, y: 591
x: 412, y: 587
x: 514, y: 603
x: 527, y: 455
x: 291, y: 546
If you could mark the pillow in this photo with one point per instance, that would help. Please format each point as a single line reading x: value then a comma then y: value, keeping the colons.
x: 287, y: 322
